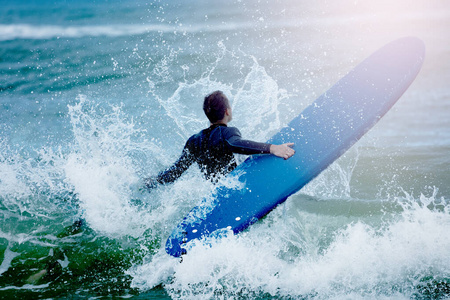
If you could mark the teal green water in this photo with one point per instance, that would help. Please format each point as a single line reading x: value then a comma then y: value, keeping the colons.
x: 96, y: 95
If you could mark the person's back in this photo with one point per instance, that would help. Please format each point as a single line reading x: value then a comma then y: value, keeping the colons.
x: 210, y: 151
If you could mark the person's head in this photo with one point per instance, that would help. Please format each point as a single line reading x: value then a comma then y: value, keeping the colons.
x: 216, y: 106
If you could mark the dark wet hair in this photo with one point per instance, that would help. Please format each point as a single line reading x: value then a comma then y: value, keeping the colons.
x: 215, y: 105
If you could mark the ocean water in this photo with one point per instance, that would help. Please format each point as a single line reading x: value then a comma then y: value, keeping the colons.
x: 97, y: 95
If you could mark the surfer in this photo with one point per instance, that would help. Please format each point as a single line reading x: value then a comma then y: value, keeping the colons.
x: 213, y: 148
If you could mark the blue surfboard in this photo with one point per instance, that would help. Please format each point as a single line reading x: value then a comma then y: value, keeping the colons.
x: 321, y: 133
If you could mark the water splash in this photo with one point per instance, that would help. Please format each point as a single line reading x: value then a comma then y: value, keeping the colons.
x: 255, y: 96
x: 100, y: 167
x: 396, y: 259
x: 335, y: 181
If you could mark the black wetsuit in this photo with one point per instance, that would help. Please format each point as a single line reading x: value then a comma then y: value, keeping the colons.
x: 212, y: 149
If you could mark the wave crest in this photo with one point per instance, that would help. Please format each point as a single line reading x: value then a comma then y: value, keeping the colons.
x: 41, y: 32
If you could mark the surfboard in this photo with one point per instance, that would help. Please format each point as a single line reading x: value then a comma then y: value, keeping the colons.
x: 321, y: 133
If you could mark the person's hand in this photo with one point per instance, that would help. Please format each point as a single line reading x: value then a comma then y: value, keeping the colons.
x: 285, y: 151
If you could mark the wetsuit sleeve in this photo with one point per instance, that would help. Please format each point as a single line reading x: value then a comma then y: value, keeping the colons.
x: 241, y: 146
x: 178, y: 168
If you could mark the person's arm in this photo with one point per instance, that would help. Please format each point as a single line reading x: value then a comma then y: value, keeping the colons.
x: 241, y: 146
x: 238, y: 145
x: 172, y: 173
